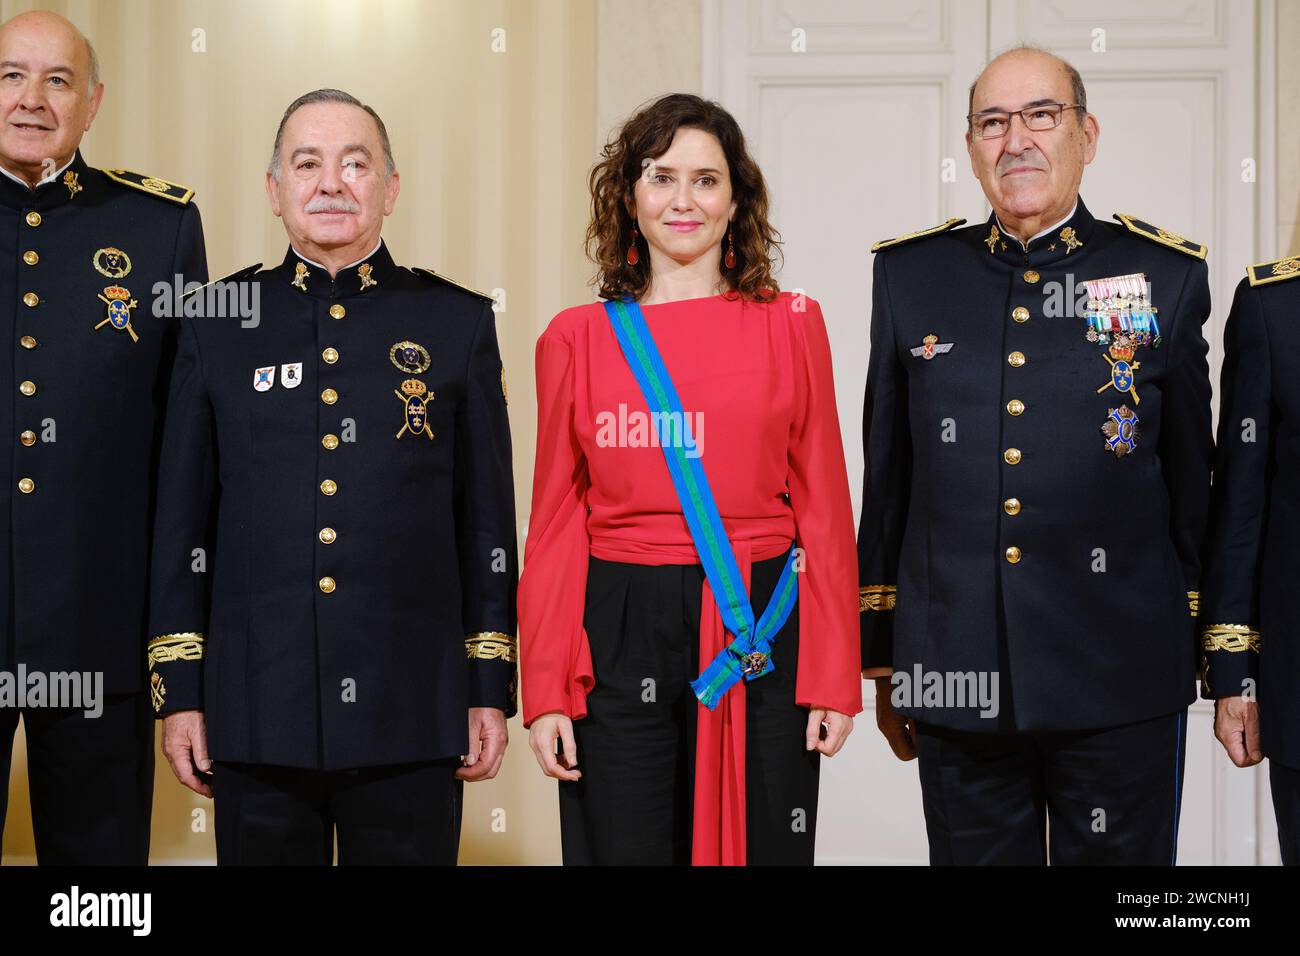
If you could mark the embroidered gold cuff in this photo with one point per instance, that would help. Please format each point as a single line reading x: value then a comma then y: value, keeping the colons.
x: 1194, y: 602
x: 877, y: 597
x: 165, y: 648
x: 491, y: 646
x: 1230, y: 637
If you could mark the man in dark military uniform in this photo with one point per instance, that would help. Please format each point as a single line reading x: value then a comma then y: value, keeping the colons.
x: 1038, y: 440
x: 346, y: 452
x: 1250, y: 654
x: 81, y: 251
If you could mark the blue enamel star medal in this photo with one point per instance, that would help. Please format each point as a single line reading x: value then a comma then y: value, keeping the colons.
x: 1121, y: 431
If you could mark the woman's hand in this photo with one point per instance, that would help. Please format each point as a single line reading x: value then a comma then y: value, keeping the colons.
x: 542, y: 735
x: 838, y: 728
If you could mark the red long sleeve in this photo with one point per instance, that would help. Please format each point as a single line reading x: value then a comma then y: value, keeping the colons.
x: 555, y: 658
x: 829, y: 645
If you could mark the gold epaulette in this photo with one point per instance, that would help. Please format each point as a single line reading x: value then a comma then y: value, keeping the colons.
x: 237, y: 274
x: 1278, y: 270
x: 151, y: 185
x: 1163, y: 236
x: 430, y: 274
x: 932, y: 231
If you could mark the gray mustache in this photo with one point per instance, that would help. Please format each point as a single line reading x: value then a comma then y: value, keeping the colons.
x: 324, y: 204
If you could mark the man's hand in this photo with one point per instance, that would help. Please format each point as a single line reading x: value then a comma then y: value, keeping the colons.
x: 898, y: 730
x: 185, y: 745
x: 1236, y: 724
x: 487, y: 744
x: 545, y: 730
x: 838, y: 728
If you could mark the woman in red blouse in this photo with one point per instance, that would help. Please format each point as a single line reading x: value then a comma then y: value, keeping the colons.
x: 616, y: 616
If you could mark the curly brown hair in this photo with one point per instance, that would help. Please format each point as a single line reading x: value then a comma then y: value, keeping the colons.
x: 648, y: 133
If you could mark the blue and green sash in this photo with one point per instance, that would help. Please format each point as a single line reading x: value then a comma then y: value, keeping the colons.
x: 750, y: 654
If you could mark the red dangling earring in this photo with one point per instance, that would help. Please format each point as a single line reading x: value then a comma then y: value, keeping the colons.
x: 730, y: 259
x: 633, y: 256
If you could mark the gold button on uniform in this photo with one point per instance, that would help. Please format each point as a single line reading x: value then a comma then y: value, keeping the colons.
x: 1016, y: 407
x: 26, y: 485
x: 327, y: 536
x: 33, y: 219
x: 329, y: 396
x: 27, y: 342
x: 330, y: 442
x: 30, y: 257
x: 327, y: 585
x: 1013, y: 555
x: 31, y: 300
x: 1011, y: 506
x: 337, y: 311
x: 328, y: 487
x: 27, y: 388
x: 330, y: 356
x: 1016, y: 359
x: 1012, y: 456
x: 28, y: 438
x: 1031, y: 277
x: 1020, y: 314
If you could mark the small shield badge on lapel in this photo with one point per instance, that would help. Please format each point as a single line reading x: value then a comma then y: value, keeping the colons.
x: 291, y: 375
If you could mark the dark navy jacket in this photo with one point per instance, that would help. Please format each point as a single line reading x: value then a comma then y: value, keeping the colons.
x: 1001, y: 531
x: 82, y: 406
x: 362, y: 582
x: 1250, y: 640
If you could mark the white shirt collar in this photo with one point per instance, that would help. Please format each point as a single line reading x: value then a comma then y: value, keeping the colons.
x: 312, y: 262
x: 50, y: 178
x: 1039, y: 235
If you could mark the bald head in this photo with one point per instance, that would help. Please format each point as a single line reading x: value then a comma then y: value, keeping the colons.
x: 45, y: 23
x: 1018, y: 60
x: 49, y: 93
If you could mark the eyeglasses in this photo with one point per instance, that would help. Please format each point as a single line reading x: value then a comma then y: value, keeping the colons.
x: 993, y: 124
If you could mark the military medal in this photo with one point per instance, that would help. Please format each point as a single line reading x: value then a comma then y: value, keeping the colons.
x: 1121, y: 431
x: 1122, y: 368
x: 119, y: 304
x: 111, y: 262
x: 1121, y: 306
x: 414, y: 360
x: 367, y: 280
x: 300, y: 275
x: 417, y: 412
x: 930, y: 347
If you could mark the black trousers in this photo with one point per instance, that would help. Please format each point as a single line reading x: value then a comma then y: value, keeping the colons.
x: 1285, y: 784
x: 636, y: 746
x: 90, y: 780
x: 1112, y: 795
x: 403, y: 815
